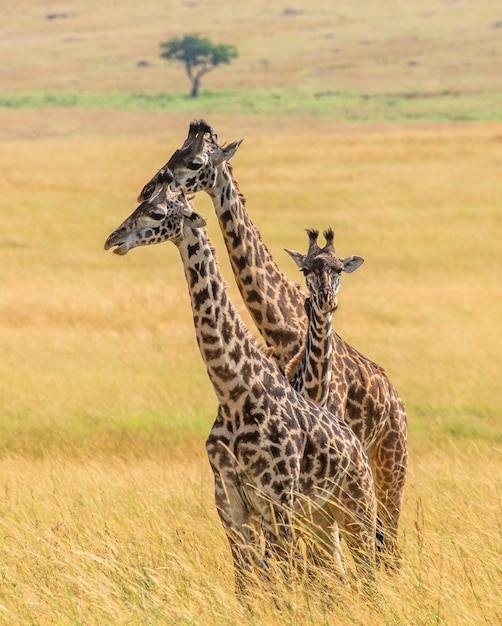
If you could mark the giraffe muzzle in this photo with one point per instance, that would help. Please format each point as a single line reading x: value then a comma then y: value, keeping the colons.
x: 327, y: 302
x: 121, y: 243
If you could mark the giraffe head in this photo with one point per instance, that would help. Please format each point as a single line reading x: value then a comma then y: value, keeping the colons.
x: 322, y: 268
x: 162, y: 218
x: 193, y: 166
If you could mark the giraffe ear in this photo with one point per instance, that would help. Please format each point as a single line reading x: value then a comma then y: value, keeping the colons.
x: 226, y: 152
x: 231, y: 149
x: 351, y: 263
x: 296, y: 256
x: 193, y: 219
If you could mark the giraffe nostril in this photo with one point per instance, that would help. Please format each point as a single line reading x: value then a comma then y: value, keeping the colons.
x: 327, y: 301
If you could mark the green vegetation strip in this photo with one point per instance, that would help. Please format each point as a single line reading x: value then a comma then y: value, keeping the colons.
x: 437, y: 106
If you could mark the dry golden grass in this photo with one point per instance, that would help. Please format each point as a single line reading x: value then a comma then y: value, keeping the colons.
x: 107, y: 507
x: 114, y: 541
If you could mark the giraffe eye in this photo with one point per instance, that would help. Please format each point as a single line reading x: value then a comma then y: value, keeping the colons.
x: 305, y: 271
x: 157, y: 215
x: 194, y: 165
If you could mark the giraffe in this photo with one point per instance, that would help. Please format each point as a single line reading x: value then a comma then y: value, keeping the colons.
x: 275, y: 456
x: 310, y: 371
x: 369, y: 401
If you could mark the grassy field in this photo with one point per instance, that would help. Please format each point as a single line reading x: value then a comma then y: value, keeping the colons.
x: 107, y: 507
x: 368, y: 60
x: 107, y: 512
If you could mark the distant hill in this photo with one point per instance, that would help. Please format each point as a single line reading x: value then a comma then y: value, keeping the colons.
x: 375, y: 60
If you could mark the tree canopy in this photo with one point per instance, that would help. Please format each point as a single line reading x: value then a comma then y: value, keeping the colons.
x: 199, y: 55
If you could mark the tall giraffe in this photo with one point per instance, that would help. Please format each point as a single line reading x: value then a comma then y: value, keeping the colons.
x: 310, y: 371
x: 368, y: 399
x: 275, y: 456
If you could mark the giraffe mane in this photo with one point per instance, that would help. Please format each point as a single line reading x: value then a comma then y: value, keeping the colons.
x: 294, y: 363
x: 242, y: 197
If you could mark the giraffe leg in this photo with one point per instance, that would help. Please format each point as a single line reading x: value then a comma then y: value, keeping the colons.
x: 322, y: 539
x: 390, y: 466
x: 355, y: 513
x: 278, y: 530
x: 362, y: 547
x: 241, y: 531
x: 337, y: 552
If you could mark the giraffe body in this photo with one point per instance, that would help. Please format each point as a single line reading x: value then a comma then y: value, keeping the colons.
x: 359, y: 388
x: 275, y: 456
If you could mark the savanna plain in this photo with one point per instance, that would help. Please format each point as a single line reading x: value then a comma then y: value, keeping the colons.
x: 106, y: 496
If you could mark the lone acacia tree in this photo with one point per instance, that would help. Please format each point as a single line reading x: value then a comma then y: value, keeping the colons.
x: 199, y: 55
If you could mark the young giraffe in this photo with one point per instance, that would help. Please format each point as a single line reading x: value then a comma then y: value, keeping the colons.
x: 311, y: 370
x: 275, y: 456
x: 309, y: 373
x: 362, y: 389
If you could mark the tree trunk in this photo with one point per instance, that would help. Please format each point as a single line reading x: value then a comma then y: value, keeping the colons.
x: 195, y: 87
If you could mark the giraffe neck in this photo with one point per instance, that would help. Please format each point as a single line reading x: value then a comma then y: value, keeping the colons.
x: 234, y: 359
x: 314, y: 363
x: 275, y: 304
